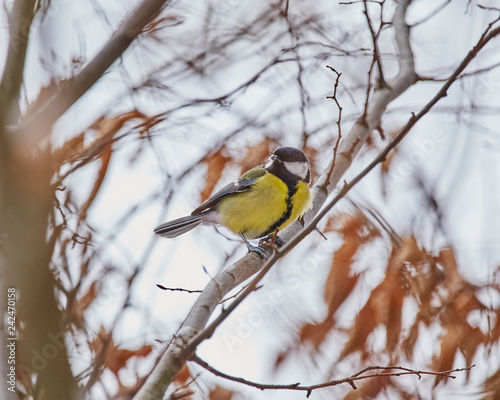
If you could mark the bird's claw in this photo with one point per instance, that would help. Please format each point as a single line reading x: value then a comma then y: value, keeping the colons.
x: 259, y: 250
x: 269, y: 242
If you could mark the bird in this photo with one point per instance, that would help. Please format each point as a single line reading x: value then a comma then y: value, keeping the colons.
x: 259, y: 204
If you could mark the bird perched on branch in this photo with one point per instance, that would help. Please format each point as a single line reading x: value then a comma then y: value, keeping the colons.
x: 263, y: 201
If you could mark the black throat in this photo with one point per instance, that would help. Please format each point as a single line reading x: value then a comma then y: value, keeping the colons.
x: 291, y: 181
x: 278, y: 169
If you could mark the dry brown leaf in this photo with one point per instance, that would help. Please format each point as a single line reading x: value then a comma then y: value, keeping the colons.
x: 117, y: 358
x: 340, y: 283
x: 384, y: 171
x: 385, y: 304
x: 386, y: 164
x: 473, y: 338
x: 101, y: 174
x: 315, y: 333
x: 220, y: 393
x: 105, y: 128
x: 102, y: 337
x: 216, y: 163
x: 409, y: 252
x: 465, y: 301
x: 492, y: 387
x: 450, y: 342
x: 70, y: 150
x: 369, y: 389
x: 394, y: 318
x: 183, y: 375
x: 408, y: 344
x: 281, y: 357
x: 85, y: 301
x: 364, y: 324
x: 102, y: 146
x: 447, y: 260
x: 494, y: 333
x: 423, y: 279
x: 128, y: 391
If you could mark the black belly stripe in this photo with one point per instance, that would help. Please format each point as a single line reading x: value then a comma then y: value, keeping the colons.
x: 292, y: 189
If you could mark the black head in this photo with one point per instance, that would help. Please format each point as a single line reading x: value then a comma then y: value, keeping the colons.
x: 289, y: 164
x: 290, y: 154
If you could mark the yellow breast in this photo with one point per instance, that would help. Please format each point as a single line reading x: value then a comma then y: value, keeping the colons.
x: 257, y: 210
x: 301, y: 201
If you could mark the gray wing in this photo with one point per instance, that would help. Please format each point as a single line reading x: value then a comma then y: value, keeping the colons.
x: 235, y: 187
x: 243, y: 184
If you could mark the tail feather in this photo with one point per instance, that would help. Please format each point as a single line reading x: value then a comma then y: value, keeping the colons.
x: 179, y: 226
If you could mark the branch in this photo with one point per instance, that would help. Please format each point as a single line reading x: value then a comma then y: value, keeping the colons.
x: 23, y: 12
x: 177, y: 289
x: 375, y: 36
x: 339, y: 120
x: 399, y: 371
x: 69, y: 92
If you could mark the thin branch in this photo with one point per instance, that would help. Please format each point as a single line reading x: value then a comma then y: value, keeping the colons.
x: 224, y: 98
x: 236, y: 294
x: 399, y: 371
x: 178, y: 289
x: 375, y: 36
x: 339, y: 119
x: 375, y: 56
x: 20, y: 20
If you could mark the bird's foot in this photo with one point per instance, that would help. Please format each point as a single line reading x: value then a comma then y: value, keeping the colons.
x: 273, y: 241
x: 259, y: 250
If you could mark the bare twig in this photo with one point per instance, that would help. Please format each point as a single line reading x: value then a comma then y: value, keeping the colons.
x: 237, y: 293
x: 360, y: 375
x: 178, y: 289
x: 375, y: 36
x: 339, y: 119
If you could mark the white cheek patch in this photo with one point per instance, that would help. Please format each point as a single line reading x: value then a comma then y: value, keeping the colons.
x: 297, y: 168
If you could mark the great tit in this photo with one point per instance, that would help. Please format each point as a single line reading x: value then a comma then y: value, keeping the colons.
x: 263, y: 201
